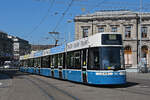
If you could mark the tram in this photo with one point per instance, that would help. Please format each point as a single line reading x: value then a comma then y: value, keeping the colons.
x: 97, y: 59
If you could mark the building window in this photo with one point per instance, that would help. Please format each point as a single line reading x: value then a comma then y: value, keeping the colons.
x: 100, y: 29
x: 144, y: 32
x: 128, y: 31
x: 144, y: 53
x: 85, y: 32
x: 128, y: 56
x: 114, y: 29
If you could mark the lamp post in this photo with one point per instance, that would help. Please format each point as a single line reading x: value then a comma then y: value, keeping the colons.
x: 69, y: 21
x: 142, y: 62
x: 139, y: 47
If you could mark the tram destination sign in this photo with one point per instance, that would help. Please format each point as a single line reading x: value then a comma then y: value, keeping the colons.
x: 79, y: 44
x: 111, y: 39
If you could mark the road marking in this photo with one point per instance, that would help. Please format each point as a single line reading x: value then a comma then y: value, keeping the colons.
x: 0, y: 83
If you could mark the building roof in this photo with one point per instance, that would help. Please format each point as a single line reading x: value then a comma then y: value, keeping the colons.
x: 41, y: 47
x: 112, y: 13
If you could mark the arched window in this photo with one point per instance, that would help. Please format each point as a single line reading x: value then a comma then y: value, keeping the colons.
x: 128, y: 56
x: 144, y: 53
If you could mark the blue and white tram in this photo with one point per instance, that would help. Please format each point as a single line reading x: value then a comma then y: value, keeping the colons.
x: 97, y: 59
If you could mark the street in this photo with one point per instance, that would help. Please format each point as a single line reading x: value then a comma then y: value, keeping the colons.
x: 15, y: 85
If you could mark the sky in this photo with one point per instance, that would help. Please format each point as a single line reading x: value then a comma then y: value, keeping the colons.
x: 32, y: 20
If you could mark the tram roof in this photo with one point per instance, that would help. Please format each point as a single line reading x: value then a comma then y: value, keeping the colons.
x: 91, y: 41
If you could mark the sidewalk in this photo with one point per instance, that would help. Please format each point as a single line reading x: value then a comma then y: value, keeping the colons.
x: 137, y: 75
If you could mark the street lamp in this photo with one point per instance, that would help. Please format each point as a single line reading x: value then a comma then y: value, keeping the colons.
x: 69, y: 21
x: 142, y: 62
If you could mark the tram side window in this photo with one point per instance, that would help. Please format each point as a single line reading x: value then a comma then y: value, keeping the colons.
x: 68, y: 61
x: 31, y: 62
x: 26, y: 63
x: 52, y: 60
x: 55, y: 61
x: 45, y: 62
x: 21, y: 63
x: 94, y: 59
x: 77, y: 58
x: 37, y: 62
x: 60, y: 60
x: 74, y: 60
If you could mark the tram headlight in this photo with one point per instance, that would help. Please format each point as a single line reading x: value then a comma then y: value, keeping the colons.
x: 110, y: 73
x: 122, y: 73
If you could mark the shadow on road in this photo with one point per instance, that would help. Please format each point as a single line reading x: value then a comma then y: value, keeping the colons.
x: 11, y: 73
x: 128, y: 84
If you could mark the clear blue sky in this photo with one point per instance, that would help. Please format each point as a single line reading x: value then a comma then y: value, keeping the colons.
x: 20, y: 17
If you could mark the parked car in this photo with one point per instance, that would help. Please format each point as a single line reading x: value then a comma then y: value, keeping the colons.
x: 6, y: 66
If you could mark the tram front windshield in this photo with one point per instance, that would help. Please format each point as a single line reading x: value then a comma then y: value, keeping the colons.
x: 105, y: 58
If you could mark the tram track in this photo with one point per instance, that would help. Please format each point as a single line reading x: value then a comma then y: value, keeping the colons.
x: 50, y: 90
x: 46, y: 88
x: 41, y: 88
x: 133, y: 89
x: 142, y: 87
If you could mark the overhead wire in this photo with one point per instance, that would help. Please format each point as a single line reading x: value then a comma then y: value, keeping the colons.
x: 63, y: 14
x: 44, y: 17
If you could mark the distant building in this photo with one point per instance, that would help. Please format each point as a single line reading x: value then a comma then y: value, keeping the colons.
x: 20, y: 47
x: 6, y: 48
x: 11, y: 47
x: 125, y: 22
x: 41, y: 47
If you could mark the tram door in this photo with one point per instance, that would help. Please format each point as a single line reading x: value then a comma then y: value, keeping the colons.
x: 60, y: 64
x: 60, y: 72
x: 84, y: 65
x: 52, y: 71
x: 52, y: 66
x: 39, y: 65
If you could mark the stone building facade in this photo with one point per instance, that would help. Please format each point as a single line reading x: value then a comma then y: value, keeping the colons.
x: 6, y: 48
x: 20, y: 47
x: 125, y: 22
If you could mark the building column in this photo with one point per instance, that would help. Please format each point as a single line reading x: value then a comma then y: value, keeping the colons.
x: 148, y: 57
x: 108, y: 28
x: 134, y: 56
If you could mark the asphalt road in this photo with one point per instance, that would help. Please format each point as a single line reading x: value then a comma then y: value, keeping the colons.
x: 23, y: 86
